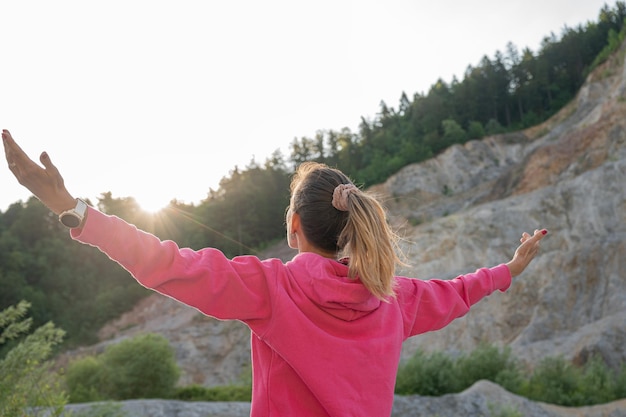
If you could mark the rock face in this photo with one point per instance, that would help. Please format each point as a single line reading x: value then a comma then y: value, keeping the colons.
x: 466, y: 209
x: 474, y: 201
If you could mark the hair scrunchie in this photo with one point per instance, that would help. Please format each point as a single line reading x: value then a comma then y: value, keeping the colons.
x: 340, y: 196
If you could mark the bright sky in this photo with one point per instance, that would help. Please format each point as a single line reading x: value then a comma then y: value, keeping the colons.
x: 159, y: 100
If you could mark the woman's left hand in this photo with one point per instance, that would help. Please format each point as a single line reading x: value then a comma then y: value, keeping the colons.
x: 526, y: 252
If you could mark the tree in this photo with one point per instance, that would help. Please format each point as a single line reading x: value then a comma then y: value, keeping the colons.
x: 452, y: 132
x: 475, y: 130
x: 26, y: 379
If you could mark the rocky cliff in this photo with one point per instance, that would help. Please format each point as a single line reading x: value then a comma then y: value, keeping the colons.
x: 472, y: 203
x: 467, y: 208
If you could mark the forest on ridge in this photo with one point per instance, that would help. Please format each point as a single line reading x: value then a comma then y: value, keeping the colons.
x: 80, y: 289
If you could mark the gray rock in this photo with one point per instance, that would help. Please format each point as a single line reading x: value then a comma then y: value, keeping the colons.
x: 482, y: 399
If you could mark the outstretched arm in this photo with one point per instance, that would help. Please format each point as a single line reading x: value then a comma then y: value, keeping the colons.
x: 525, y: 252
x: 45, y: 183
x: 432, y: 304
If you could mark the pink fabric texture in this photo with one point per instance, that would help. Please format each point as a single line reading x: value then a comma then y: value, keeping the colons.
x: 322, y: 345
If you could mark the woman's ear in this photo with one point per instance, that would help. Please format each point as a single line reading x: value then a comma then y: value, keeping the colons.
x: 292, y: 240
x: 293, y: 226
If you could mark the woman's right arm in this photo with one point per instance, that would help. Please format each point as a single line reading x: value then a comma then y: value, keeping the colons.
x: 45, y: 183
x: 205, y: 279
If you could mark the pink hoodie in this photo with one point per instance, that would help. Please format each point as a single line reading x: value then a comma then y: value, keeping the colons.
x: 322, y: 345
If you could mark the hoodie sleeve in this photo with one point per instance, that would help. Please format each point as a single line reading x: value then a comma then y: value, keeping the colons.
x: 204, y: 279
x: 432, y: 304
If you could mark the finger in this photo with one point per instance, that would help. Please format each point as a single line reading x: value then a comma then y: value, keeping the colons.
x: 8, y: 141
x: 6, y: 137
x: 47, y: 163
x: 13, y: 152
x: 539, y: 234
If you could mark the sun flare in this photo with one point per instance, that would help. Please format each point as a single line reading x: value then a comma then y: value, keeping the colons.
x: 151, y: 204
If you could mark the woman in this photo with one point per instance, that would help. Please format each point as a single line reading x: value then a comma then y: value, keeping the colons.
x: 327, y: 327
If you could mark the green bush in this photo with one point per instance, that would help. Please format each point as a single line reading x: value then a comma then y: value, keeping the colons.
x: 620, y: 382
x: 141, y: 367
x: 438, y: 374
x: 219, y: 393
x: 554, y: 380
x: 491, y: 363
x: 431, y: 375
x: 84, y: 379
x: 597, y: 383
x: 557, y: 381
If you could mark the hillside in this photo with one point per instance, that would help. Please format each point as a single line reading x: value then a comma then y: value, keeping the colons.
x: 567, y: 175
x: 465, y: 209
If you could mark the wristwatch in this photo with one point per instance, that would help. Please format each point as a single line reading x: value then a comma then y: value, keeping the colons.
x: 74, y: 217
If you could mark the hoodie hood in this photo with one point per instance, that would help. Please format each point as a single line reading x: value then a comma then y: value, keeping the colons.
x: 325, y: 282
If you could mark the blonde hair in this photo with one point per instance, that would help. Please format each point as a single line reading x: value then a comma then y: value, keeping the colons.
x: 360, y: 233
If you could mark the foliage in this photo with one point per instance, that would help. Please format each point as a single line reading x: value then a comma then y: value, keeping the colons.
x: 121, y: 372
x: 615, y: 38
x: 554, y: 381
x: 423, y: 374
x: 26, y: 380
x: 218, y: 393
x: 512, y: 90
x: 71, y: 284
x: 488, y: 362
x: 557, y: 381
x: 437, y: 374
x: 84, y: 379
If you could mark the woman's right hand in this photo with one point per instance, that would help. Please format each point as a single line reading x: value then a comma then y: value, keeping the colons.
x: 45, y: 183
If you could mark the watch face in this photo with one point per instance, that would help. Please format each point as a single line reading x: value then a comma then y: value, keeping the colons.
x: 74, y: 217
x: 70, y: 220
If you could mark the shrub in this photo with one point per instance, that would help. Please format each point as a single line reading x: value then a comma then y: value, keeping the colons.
x: 437, y: 374
x: 141, y: 367
x: 559, y: 382
x: 491, y: 363
x: 475, y: 130
x: 597, y: 384
x: 431, y: 375
x: 219, y: 393
x: 84, y: 379
x: 554, y: 381
x: 620, y: 383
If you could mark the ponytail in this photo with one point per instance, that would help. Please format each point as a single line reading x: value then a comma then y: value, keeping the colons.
x: 371, y: 245
x: 337, y: 217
